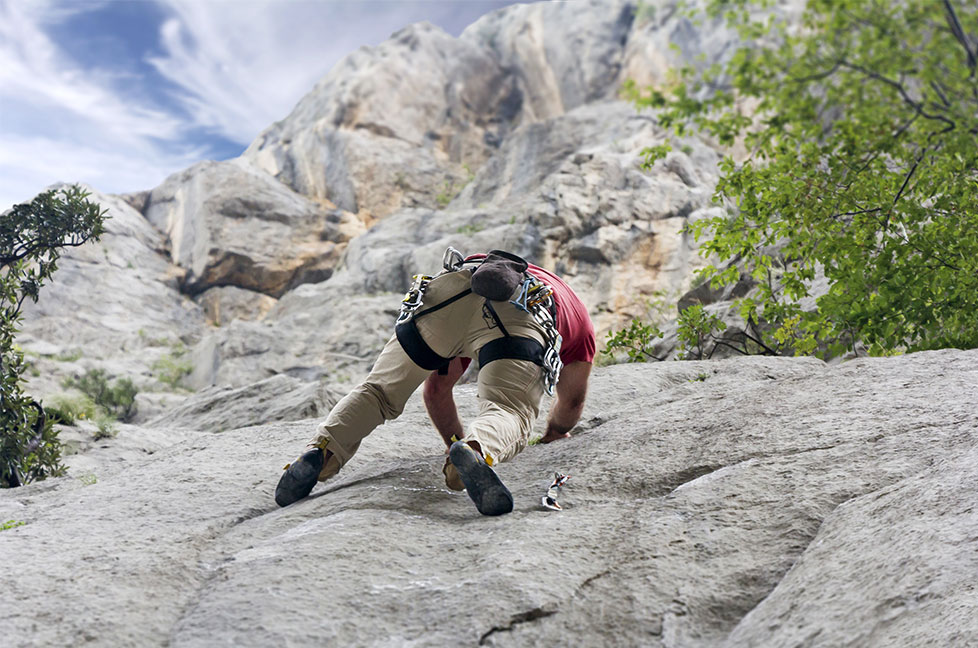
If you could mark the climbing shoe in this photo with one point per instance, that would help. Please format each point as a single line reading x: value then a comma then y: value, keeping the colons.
x: 299, y: 477
x: 491, y: 497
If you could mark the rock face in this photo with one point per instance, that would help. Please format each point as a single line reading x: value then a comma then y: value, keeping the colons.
x: 230, y: 225
x: 745, y: 502
x: 279, y: 398
x: 114, y: 305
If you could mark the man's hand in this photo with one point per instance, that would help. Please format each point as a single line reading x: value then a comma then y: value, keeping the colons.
x: 548, y: 438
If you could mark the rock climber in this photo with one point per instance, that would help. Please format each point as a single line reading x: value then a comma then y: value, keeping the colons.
x: 576, y: 354
x: 515, y: 318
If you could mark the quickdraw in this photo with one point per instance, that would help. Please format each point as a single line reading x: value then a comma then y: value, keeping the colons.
x: 550, y: 499
x: 536, y: 298
x: 414, y: 298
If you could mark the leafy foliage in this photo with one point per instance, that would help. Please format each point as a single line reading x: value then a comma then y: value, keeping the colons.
x: 104, y: 427
x: 696, y: 330
x: 861, y: 132
x: 117, y: 400
x: 32, y: 236
x: 173, y: 367
x: 637, y: 340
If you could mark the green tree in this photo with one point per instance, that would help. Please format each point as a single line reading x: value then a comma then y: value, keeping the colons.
x: 861, y: 131
x: 31, y: 238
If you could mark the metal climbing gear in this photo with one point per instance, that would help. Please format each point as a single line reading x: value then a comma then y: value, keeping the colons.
x: 451, y: 261
x: 550, y: 499
x: 414, y: 298
x: 537, y: 299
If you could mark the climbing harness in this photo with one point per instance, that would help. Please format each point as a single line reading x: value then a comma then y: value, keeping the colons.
x: 534, y: 298
x: 550, y: 499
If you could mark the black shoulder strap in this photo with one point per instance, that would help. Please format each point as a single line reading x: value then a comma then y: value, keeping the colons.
x: 450, y: 300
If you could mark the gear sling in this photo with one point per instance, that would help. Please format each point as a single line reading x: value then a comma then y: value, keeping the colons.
x: 534, y: 298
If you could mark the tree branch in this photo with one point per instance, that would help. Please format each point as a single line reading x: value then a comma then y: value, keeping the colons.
x: 940, y: 93
x: 918, y: 108
x: 818, y: 76
x: 955, y: 25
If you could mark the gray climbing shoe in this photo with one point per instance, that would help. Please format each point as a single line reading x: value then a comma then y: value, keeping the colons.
x: 491, y: 497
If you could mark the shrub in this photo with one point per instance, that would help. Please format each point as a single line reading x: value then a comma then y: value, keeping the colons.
x: 172, y: 368
x: 117, y: 399
x: 636, y: 340
x: 32, y: 236
x: 104, y: 428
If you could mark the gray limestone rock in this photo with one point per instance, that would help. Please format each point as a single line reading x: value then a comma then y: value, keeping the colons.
x: 279, y: 398
x: 754, y: 501
x: 561, y: 55
x: 392, y: 125
x: 224, y: 304
x: 742, y: 502
x: 228, y: 224
x: 111, y: 305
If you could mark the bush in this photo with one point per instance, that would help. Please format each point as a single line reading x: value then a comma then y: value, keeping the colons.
x: 636, y: 340
x: 118, y: 399
x: 173, y: 367
x: 69, y: 409
x: 32, y: 236
x: 29, y: 448
x: 104, y: 428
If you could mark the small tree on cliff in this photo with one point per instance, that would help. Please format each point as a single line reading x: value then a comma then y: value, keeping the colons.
x: 31, y: 238
x: 862, y: 164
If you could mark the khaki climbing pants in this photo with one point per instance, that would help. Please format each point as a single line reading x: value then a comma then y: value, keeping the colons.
x: 509, y: 390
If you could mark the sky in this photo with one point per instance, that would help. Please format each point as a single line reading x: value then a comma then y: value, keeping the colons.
x: 119, y: 94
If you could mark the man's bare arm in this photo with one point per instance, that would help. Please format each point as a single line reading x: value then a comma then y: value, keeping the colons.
x: 440, y: 404
x: 567, y: 408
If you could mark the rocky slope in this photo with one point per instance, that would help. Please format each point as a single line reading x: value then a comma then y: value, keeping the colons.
x: 745, y: 502
x: 748, y: 502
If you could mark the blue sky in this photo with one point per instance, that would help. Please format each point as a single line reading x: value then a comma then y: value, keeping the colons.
x: 121, y: 93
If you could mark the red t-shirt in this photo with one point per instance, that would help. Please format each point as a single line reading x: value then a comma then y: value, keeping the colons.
x: 573, y: 322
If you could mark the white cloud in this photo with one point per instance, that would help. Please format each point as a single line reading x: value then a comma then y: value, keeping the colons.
x: 59, y: 121
x: 235, y: 68
x: 29, y: 164
x: 244, y: 65
x: 33, y: 69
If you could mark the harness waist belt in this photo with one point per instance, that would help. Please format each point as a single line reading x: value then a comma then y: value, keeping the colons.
x: 416, y: 348
x: 514, y: 348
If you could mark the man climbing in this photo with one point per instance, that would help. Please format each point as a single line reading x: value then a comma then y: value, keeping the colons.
x: 490, y: 308
x: 576, y: 353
